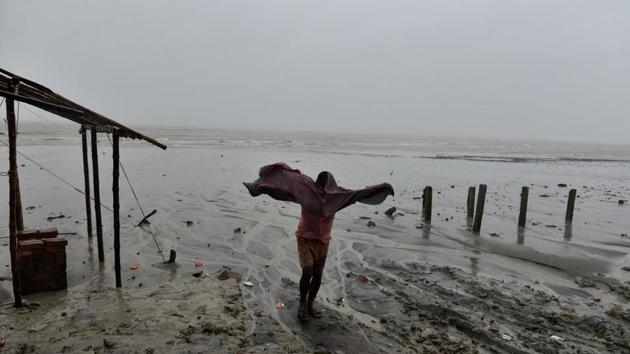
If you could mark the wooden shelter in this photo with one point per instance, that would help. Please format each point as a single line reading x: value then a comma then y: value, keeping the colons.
x: 15, y: 88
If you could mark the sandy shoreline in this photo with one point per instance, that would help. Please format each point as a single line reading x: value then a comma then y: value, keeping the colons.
x: 400, y: 286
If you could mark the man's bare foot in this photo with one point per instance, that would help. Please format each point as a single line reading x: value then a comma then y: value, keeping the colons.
x: 301, y: 314
x: 314, y: 311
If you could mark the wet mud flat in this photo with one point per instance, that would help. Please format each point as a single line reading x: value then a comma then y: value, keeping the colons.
x: 396, y: 285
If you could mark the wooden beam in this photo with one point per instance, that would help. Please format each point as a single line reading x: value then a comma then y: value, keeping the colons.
x: 571, y: 204
x: 115, y: 190
x: 97, y: 199
x: 481, y: 202
x: 13, y: 186
x: 522, y: 215
x: 470, y: 203
x: 86, y: 177
x: 41, y: 104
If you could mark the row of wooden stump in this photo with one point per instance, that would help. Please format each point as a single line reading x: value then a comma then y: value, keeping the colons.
x: 477, y: 215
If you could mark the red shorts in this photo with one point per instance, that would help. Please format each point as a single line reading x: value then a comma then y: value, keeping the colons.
x: 311, y: 252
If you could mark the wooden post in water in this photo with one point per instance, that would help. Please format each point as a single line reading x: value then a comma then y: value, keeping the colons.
x: 13, y: 208
x: 427, y: 201
x: 97, y: 198
x: 571, y: 204
x: 115, y: 190
x: 86, y: 176
x: 522, y: 215
x: 481, y: 201
x: 470, y: 203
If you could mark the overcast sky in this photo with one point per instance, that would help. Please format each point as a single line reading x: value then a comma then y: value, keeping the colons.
x: 539, y: 69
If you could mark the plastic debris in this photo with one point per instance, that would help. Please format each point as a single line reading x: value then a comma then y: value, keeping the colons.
x: 555, y: 337
x: 198, y: 264
x: 340, y: 301
x: 506, y: 337
x: 279, y: 305
x: 135, y: 266
x: 248, y: 284
x: 2, y: 342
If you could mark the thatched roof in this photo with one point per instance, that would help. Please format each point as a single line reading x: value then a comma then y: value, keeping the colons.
x: 30, y: 92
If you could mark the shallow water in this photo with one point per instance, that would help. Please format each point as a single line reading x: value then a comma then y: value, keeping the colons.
x: 199, y: 179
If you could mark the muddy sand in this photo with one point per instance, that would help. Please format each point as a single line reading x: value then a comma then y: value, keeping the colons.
x: 401, y: 285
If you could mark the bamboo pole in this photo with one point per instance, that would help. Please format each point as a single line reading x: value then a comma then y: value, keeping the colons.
x: 13, y: 191
x: 115, y: 190
x: 571, y: 204
x: 97, y: 198
x: 522, y: 215
x: 481, y: 201
x: 470, y: 203
x: 86, y: 176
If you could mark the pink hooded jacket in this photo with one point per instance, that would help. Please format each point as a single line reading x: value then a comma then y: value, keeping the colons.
x: 319, y: 205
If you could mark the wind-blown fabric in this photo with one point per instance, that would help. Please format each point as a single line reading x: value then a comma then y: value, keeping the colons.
x: 281, y: 182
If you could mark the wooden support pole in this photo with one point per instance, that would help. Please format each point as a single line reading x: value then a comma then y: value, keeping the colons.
x: 481, y: 201
x: 115, y: 190
x: 19, y: 221
x: 86, y: 176
x: 97, y: 198
x: 470, y: 203
x: 427, y: 203
x: 19, y: 216
x: 571, y: 204
x: 13, y: 211
x: 522, y: 215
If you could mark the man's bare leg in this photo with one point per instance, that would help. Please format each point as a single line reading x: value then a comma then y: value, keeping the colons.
x: 305, y: 283
x: 316, y: 281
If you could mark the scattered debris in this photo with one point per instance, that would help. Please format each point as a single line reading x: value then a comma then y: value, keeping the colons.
x: 135, y: 266
x: 371, y: 223
x: 390, y: 212
x: 198, y: 274
x: 198, y: 264
x: 506, y: 337
x: 279, y: 305
x: 189, y: 223
x: 51, y: 218
x: 238, y: 230
x: 562, y: 185
x: 171, y: 257
x: 248, y: 284
x: 494, y: 234
x: 145, y: 220
x: 258, y: 313
x: 340, y: 301
x: 555, y: 337
x: 363, y: 279
x: 621, y: 202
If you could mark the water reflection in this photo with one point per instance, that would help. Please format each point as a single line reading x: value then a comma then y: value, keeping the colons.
x: 568, y: 231
x: 426, y: 230
x: 520, y: 236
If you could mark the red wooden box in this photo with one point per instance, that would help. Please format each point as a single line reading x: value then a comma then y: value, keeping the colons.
x: 42, y: 261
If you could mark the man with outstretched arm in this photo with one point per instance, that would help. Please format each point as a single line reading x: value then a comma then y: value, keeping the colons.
x: 320, y: 200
